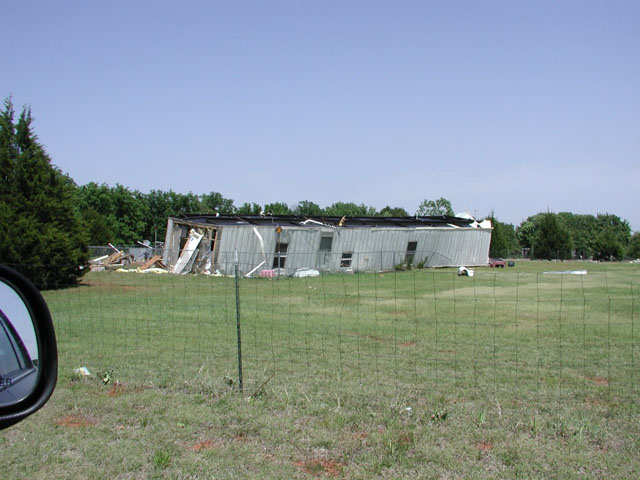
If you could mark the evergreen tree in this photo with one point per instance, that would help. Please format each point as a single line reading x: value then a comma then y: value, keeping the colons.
x: 552, y: 239
x: 41, y: 234
x: 504, y: 242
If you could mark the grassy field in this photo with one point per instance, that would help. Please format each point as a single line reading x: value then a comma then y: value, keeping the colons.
x: 511, y: 373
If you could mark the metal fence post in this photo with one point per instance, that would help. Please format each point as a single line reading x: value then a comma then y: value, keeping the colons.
x: 235, y: 261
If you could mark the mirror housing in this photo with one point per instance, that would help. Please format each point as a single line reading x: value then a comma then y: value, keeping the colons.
x: 47, y: 366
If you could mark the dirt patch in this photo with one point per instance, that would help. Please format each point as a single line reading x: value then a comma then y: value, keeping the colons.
x: 360, y: 436
x: 375, y: 338
x: 404, y: 313
x: 599, y: 380
x: 111, y: 286
x: 241, y: 437
x: 116, y: 389
x: 204, y: 445
x: 408, y: 344
x: 484, y: 446
x: 75, y: 420
x: 595, y: 401
x: 318, y: 467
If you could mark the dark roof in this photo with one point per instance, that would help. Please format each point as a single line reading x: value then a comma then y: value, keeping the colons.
x: 304, y: 221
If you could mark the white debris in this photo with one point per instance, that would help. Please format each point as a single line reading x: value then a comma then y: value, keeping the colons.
x: 152, y: 270
x: 465, y: 272
x: 566, y: 272
x: 306, y: 272
x: 84, y: 371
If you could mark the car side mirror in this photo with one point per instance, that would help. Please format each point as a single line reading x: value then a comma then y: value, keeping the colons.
x: 28, y: 352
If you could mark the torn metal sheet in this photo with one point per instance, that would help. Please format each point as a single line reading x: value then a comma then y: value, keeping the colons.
x: 261, y: 241
x: 188, y: 251
x: 254, y: 270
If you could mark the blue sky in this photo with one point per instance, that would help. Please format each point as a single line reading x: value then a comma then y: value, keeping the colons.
x: 517, y: 107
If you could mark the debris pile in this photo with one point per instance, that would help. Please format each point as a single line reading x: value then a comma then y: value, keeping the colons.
x: 120, y: 261
x: 114, y: 261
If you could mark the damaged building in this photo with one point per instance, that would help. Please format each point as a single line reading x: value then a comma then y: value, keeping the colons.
x: 206, y: 243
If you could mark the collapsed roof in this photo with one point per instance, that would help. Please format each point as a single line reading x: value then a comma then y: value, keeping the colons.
x: 329, y: 221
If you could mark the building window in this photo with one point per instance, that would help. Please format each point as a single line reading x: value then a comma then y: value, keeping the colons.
x: 345, y: 261
x: 280, y: 255
x: 411, y: 252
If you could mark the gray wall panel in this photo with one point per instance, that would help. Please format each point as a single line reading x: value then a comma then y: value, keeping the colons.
x: 372, y: 248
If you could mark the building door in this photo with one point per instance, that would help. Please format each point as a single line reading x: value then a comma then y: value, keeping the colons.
x: 324, y: 252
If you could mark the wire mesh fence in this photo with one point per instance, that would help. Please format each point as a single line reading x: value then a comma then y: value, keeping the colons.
x: 508, y: 335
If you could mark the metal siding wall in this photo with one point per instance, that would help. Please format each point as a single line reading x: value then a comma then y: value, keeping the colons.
x: 244, y: 239
x: 172, y: 242
x: 454, y: 247
x: 373, y: 249
x: 303, y: 248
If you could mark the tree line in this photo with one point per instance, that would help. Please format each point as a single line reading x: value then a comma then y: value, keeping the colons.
x: 122, y: 216
x: 566, y: 235
x: 49, y: 220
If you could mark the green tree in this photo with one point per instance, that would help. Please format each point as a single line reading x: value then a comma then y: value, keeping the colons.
x: 95, y: 204
x: 124, y: 213
x: 634, y: 246
x: 277, y: 208
x: 42, y: 235
x: 158, y: 210
x: 307, y: 208
x: 349, y: 209
x: 552, y: 239
x: 526, y: 231
x: 583, y: 230
x: 393, y: 212
x: 98, y: 230
x: 618, y: 227
x: 607, y: 246
x: 504, y: 242
x: 435, y: 208
x: 215, y: 202
x: 249, y: 209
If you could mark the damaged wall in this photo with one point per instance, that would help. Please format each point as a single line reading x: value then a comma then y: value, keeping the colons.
x: 327, y: 248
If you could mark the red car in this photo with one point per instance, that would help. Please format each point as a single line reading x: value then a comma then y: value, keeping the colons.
x: 496, y: 263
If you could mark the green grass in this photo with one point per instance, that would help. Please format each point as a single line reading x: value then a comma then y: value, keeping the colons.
x: 422, y: 374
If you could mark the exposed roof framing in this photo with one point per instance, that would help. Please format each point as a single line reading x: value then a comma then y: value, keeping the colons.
x: 305, y: 221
